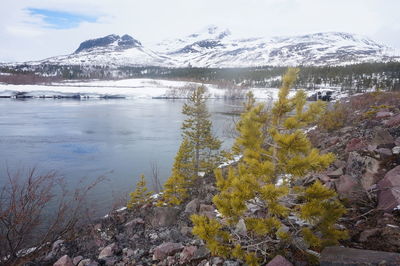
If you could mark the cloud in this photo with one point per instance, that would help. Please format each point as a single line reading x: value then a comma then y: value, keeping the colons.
x: 36, y: 29
x: 60, y: 19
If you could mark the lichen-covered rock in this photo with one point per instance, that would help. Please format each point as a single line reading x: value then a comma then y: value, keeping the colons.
x: 187, y: 254
x: 166, y: 249
x: 164, y: 216
x: 389, y: 190
x: 192, y: 207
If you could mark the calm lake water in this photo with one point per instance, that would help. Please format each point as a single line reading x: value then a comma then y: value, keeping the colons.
x: 82, y: 140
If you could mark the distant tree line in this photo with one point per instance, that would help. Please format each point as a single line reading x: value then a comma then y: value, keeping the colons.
x: 357, y: 77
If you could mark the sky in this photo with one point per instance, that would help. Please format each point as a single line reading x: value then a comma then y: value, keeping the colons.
x: 38, y: 29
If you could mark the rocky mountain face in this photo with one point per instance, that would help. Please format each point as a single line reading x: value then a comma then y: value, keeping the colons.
x: 112, y: 40
x: 215, y: 47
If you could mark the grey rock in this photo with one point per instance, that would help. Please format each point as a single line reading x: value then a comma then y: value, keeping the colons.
x: 187, y: 254
x: 192, y: 206
x: 64, y: 261
x: 279, y: 261
x: 301, y: 243
x: 206, y: 208
x: 164, y: 250
x: 348, y: 187
x: 339, y: 164
x: 164, y: 216
x: 128, y: 252
x: 394, y: 121
x: 367, y: 233
x: 384, y: 152
x: 370, y: 175
x: 217, y: 261
x: 77, y: 259
x: 186, y: 230
x: 201, y: 253
x: 388, y: 190
x: 85, y: 262
x: 336, y: 173
x: 57, y: 246
x: 108, y: 251
x: 383, y: 114
x: 396, y: 150
x: 241, y: 228
x: 231, y: 263
x: 349, y: 256
x: 382, y: 136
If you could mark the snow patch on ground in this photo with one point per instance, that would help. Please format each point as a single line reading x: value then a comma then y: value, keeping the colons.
x: 128, y: 88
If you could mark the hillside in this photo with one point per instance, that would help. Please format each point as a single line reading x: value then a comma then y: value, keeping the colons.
x: 217, y: 48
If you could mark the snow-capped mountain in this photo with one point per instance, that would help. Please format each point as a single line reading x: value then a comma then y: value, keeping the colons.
x: 217, y: 48
x: 112, y: 50
x: 214, y: 47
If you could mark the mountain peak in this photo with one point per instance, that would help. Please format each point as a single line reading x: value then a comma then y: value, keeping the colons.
x: 112, y: 40
x: 210, y: 32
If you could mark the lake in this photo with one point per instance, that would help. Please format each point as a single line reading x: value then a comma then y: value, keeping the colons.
x: 85, y: 139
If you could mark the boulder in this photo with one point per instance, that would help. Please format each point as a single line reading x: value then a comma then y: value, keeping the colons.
x: 389, y: 190
x: 355, y: 144
x: 368, y: 233
x: 166, y: 249
x: 192, y: 206
x: 108, y: 251
x: 339, y: 164
x: 370, y: 176
x: 64, y: 261
x: 394, y: 121
x: 206, y: 208
x: 355, y: 165
x: 336, y: 173
x: 350, y: 256
x: 163, y: 216
x: 201, y: 253
x: 87, y: 262
x: 77, y: 259
x: 323, y: 178
x: 384, y: 153
x: 396, y: 150
x: 279, y: 261
x: 383, y: 114
x: 382, y: 136
x: 187, y: 254
x: 348, y: 187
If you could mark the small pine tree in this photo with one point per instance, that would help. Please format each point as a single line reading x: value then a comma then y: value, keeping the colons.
x: 273, y: 158
x: 197, y: 129
x: 140, y: 196
x: 199, y: 150
x: 178, y: 185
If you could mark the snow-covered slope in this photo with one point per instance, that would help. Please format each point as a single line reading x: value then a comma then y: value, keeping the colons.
x: 217, y: 48
x: 111, y: 50
x: 214, y: 47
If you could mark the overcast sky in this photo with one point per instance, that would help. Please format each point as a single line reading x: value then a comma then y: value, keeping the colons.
x: 37, y: 29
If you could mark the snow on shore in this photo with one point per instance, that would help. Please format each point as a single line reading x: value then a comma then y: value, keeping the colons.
x: 130, y: 88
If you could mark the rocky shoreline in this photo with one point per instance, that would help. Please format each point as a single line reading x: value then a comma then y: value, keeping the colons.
x: 366, y: 175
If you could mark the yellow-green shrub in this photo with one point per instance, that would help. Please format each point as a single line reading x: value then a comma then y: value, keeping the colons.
x: 273, y: 158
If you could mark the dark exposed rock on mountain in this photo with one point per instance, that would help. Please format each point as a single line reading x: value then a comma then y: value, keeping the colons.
x: 123, y: 42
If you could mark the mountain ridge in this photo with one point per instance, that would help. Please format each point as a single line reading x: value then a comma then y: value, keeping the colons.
x: 215, y: 47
